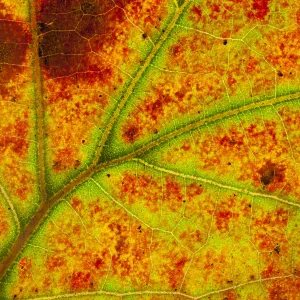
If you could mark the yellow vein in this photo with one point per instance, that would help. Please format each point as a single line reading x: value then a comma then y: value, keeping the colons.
x: 12, y: 208
x: 136, y: 80
x: 163, y: 293
x: 212, y: 182
x: 37, y: 78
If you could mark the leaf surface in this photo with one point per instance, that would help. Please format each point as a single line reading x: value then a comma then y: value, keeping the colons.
x: 150, y: 149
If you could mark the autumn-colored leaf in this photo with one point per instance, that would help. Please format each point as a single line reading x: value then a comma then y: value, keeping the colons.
x: 150, y: 149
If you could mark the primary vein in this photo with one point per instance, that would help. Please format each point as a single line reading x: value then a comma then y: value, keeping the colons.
x: 37, y: 78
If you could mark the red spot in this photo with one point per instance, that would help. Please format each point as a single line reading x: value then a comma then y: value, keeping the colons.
x: 14, y: 138
x: 24, y: 268
x: 20, y: 180
x: 225, y: 214
x: 76, y: 203
x: 269, y: 230
x: 196, y: 14
x: 66, y: 157
x: 194, y: 190
x: 269, y: 272
x: 216, y: 8
x: 155, y: 109
x: 230, y: 141
x: 132, y: 189
x: 231, y: 81
x: 130, y: 134
x: 260, y: 8
x: 99, y: 263
x: 54, y: 262
x: 80, y: 280
x: 230, y: 295
x: 186, y: 147
x: 173, y: 195
x: 175, y: 273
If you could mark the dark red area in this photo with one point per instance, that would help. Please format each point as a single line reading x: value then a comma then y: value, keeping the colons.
x: 85, y: 27
x: 260, y: 9
x: 99, y: 263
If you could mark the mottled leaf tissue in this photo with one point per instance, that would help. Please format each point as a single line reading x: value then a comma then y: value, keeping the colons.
x: 150, y: 149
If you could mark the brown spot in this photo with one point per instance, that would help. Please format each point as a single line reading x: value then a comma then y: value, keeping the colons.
x: 279, y: 73
x: 277, y: 249
x: 271, y: 173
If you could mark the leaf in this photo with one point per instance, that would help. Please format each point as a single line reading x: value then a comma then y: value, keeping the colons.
x: 149, y: 149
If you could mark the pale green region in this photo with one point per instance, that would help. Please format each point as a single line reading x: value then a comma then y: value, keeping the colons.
x: 190, y: 165
x: 56, y: 180
x: 293, y: 233
x: 252, y: 291
x: 7, y: 240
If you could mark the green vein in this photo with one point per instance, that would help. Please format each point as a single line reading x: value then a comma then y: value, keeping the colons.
x: 136, y: 80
